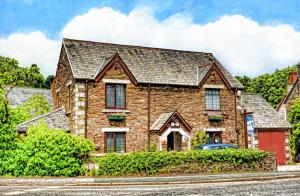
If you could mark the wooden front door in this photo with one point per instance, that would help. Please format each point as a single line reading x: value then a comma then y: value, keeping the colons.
x: 174, y: 141
x: 273, y: 141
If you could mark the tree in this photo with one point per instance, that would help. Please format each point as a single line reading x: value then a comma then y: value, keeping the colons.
x: 33, y: 77
x: 48, y: 81
x: 11, y: 75
x: 272, y: 86
x: 294, y: 118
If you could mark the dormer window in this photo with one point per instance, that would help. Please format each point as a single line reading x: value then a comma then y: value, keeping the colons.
x: 212, y: 99
x: 115, y: 96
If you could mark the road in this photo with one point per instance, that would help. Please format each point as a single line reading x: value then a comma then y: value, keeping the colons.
x: 270, y: 187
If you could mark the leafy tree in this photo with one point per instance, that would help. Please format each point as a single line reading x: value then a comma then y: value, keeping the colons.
x: 11, y: 75
x: 33, y: 77
x: 294, y: 118
x: 48, y: 81
x: 272, y: 86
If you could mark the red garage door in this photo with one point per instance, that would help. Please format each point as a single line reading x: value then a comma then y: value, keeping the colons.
x: 273, y: 141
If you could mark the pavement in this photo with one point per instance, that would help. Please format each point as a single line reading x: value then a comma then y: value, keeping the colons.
x: 286, y: 168
x: 149, y: 180
x: 273, y: 187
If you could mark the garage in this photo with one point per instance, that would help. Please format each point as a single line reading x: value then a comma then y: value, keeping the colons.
x: 273, y: 141
x: 271, y: 130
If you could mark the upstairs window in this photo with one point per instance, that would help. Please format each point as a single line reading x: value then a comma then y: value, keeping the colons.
x: 212, y: 98
x: 115, y: 96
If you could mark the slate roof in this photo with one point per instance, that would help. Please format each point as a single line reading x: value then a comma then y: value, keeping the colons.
x: 162, y: 119
x: 55, y: 119
x: 264, y: 115
x: 148, y: 65
x: 19, y: 95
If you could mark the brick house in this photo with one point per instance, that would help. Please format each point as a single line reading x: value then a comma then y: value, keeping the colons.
x: 125, y: 98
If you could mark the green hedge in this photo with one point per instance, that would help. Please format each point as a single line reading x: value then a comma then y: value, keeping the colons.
x: 155, y: 162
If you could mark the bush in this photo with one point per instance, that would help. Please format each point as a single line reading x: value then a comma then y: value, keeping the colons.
x: 294, y: 118
x: 199, y: 139
x: 46, y: 152
x: 295, y: 143
x: 155, y: 162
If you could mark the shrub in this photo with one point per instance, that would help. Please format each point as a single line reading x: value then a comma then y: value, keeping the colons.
x: 47, y: 152
x: 294, y: 118
x: 155, y: 162
x: 294, y: 143
x: 199, y: 139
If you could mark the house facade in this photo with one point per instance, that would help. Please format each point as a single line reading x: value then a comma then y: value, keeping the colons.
x: 126, y: 98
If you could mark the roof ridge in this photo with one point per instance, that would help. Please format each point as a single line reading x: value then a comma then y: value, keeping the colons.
x: 139, y: 46
x: 28, y: 87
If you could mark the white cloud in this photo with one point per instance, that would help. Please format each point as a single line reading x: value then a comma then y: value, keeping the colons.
x: 31, y: 48
x: 241, y: 44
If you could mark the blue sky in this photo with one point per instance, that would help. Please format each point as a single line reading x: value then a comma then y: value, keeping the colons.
x: 50, y: 20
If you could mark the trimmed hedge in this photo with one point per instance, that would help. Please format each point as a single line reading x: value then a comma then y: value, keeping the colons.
x: 158, y: 162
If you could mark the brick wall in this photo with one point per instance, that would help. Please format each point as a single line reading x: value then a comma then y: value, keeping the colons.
x: 190, y: 103
x: 63, y: 83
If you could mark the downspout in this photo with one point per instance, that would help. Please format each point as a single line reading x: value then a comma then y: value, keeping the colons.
x: 149, y: 116
x: 245, y: 129
x: 235, y: 119
x: 86, y: 108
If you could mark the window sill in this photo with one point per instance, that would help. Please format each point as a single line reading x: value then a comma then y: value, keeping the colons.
x: 115, y: 111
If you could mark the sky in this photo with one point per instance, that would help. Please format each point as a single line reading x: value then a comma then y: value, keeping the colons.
x: 248, y: 37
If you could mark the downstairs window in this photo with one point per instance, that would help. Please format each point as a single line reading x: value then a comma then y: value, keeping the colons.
x: 214, y: 137
x: 115, y: 142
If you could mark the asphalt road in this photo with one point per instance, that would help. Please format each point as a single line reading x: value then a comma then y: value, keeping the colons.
x: 270, y: 187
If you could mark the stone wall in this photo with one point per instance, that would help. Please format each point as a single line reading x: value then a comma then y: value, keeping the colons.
x: 63, y: 89
x: 190, y: 103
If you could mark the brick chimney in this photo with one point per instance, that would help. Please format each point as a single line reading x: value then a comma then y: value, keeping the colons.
x: 292, y: 78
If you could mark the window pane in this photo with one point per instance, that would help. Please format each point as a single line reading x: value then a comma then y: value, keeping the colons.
x: 110, y: 96
x: 212, y: 98
x: 120, y: 96
x: 109, y: 142
x: 120, y: 142
x: 209, y: 138
x: 217, y: 138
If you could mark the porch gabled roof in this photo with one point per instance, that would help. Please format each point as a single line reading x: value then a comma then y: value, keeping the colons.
x: 165, y: 118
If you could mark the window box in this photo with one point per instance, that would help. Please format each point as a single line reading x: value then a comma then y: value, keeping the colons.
x: 116, y: 117
x: 215, y: 118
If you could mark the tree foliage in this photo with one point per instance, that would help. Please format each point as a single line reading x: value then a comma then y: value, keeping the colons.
x: 36, y: 105
x: 294, y: 118
x: 272, y: 86
x: 46, y: 152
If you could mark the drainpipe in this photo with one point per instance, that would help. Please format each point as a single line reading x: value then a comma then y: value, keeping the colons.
x: 86, y: 108
x: 149, y: 115
x: 235, y: 119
